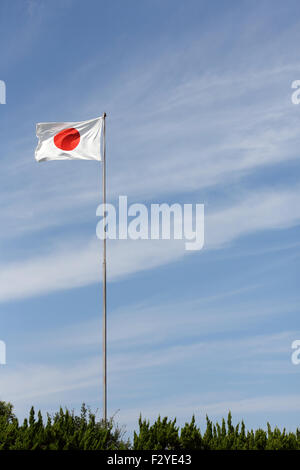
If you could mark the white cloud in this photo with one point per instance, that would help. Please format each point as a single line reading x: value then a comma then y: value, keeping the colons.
x: 262, y: 210
x: 193, y: 133
x: 29, y: 381
x: 24, y: 384
x: 135, y: 326
x: 79, y: 265
x: 215, y: 408
x: 71, y: 266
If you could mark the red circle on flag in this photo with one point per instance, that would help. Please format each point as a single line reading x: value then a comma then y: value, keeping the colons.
x: 67, y: 139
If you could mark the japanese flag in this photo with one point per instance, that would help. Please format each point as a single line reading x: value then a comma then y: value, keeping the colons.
x: 70, y: 140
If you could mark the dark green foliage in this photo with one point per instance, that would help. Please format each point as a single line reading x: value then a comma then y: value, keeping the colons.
x: 63, y: 431
x: 6, y: 412
x: 163, y: 434
x: 66, y: 431
x: 190, y: 436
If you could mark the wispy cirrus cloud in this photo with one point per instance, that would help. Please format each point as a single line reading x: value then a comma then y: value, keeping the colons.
x: 194, y: 134
x: 72, y: 265
x: 41, y: 383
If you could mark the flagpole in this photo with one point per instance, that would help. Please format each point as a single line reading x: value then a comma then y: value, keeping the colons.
x: 104, y: 326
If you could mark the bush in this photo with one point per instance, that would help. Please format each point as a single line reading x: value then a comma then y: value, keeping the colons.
x: 63, y: 431
x: 66, y: 431
x: 164, y: 435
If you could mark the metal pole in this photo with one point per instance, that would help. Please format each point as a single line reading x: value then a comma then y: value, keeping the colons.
x: 104, y: 331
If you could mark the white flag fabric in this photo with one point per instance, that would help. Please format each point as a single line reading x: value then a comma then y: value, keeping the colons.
x: 70, y: 140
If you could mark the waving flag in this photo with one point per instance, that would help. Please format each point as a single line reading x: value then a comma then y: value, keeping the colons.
x: 70, y: 140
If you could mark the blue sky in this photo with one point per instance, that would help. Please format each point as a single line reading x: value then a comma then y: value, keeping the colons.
x: 198, y: 97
